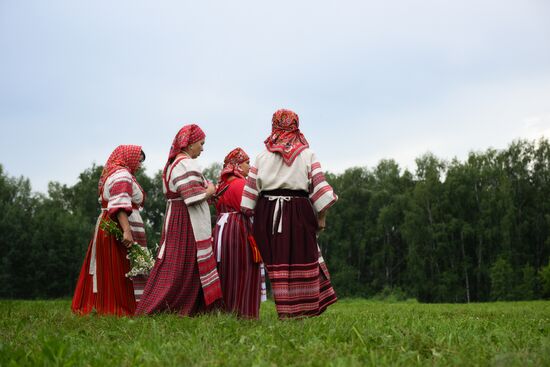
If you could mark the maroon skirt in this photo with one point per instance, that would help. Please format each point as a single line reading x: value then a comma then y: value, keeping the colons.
x: 174, y: 284
x: 239, y: 274
x: 285, y: 228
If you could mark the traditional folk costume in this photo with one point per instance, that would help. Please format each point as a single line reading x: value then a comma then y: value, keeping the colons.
x: 284, y: 190
x: 184, y: 279
x: 238, y: 258
x: 102, y: 284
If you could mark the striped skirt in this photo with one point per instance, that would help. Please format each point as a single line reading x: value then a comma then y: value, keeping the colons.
x: 239, y: 274
x: 285, y: 228
x: 174, y: 284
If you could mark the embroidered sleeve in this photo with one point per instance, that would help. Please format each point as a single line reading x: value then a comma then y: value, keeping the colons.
x: 250, y: 192
x: 189, y: 183
x: 119, y: 186
x: 320, y: 192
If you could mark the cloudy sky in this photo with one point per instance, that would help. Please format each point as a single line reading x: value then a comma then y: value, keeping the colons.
x: 369, y: 79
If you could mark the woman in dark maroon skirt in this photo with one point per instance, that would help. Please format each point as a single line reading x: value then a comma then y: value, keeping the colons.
x: 288, y: 195
x: 237, y: 256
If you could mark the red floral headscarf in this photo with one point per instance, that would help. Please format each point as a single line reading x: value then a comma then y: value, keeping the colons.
x: 231, y: 164
x: 189, y: 134
x: 124, y: 156
x: 286, y: 138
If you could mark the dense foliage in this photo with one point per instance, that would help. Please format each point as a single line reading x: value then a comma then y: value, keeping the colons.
x: 449, y: 232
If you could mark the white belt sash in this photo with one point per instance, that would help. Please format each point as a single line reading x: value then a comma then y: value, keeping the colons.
x: 221, y: 223
x: 278, y: 209
x: 166, y: 220
x: 93, y: 260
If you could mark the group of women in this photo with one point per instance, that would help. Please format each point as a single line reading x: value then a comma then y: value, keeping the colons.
x: 268, y: 218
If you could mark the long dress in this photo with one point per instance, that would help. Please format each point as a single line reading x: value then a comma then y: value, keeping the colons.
x: 284, y: 200
x: 102, y: 284
x: 184, y: 279
x: 239, y: 272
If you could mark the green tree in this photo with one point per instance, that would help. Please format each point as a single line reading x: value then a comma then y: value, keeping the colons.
x: 212, y: 172
x: 16, y: 226
x: 344, y: 243
x: 544, y: 275
x: 527, y: 288
x: 502, y: 284
x: 424, y: 229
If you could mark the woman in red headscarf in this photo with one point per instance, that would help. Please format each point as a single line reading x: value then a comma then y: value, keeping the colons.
x: 184, y: 279
x: 102, y: 284
x: 236, y: 251
x: 288, y: 195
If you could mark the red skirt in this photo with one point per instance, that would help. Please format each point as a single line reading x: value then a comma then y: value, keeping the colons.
x: 299, y: 282
x: 115, y: 292
x: 174, y: 283
x: 239, y: 274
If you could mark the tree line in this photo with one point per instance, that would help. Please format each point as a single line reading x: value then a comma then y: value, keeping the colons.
x: 451, y: 231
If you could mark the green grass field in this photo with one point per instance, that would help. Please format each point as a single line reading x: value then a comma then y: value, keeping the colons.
x: 350, y: 333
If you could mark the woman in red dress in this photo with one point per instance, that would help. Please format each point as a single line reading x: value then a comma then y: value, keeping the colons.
x: 237, y: 256
x: 102, y: 284
x: 184, y: 279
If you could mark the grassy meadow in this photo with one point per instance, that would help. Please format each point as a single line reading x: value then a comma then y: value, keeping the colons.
x: 350, y: 333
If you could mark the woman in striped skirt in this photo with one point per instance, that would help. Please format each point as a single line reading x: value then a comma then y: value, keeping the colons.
x: 237, y: 255
x: 288, y: 195
x: 184, y: 279
x: 102, y: 285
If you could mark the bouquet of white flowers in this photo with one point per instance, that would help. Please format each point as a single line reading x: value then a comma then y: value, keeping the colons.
x: 141, y: 258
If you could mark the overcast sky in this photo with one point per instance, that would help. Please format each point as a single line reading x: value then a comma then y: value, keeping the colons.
x: 369, y: 79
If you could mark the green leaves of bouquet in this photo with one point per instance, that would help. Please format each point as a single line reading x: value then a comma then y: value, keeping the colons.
x: 141, y: 258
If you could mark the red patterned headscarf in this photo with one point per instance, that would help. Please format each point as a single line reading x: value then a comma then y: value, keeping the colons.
x: 189, y: 134
x: 286, y: 138
x: 231, y: 164
x: 124, y: 156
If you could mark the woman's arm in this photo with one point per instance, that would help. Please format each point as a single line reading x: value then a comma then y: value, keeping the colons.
x: 190, y: 183
x: 127, y: 238
x: 210, y: 190
x: 251, y: 191
x: 322, y: 219
x: 321, y: 193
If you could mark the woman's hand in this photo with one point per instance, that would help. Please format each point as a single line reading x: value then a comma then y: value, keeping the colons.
x: 322, y: 220
x: 127, y: 238
x: 210, y: 190
x: 321, y: 223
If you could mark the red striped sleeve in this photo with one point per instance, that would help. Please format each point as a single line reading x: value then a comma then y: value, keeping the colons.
x: 321, y: 193
x: 188, y: 183
x: 249, y: 195
x: 250, y: 192
x: 192, y: 192
x: 251, y: 182
x: 188, y: 175
x: 120, y: 193
x: 317, y: 179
